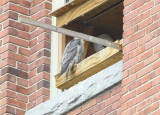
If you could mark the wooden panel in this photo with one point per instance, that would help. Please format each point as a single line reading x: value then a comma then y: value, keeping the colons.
x: 90, y: 66
x: 78, y: 11
x: 61, y: 47
x: 66, y: 7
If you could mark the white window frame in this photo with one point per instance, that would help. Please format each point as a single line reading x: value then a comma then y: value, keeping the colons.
x: 54, y: 51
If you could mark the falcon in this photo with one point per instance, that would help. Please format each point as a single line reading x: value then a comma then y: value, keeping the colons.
x: 72, y: 55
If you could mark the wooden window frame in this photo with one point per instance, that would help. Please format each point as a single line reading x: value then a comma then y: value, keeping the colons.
x: 95, y: 62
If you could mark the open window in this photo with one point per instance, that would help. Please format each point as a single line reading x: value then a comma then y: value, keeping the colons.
x: 100, y: 18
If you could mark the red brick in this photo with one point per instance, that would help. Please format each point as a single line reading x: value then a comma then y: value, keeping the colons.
x: 43, y: 13
x: 7, y: 77
x: 130, y: 47
x: 89, y: 104
x: 32, y: 89
x: 130, y: 63
x: 152, y: 59
x: 129, y: 79
x: 125, y: 58
x: 17, y: 8
x: 112, y: 99
x: 41, y: 45
x: 85, y: 113
x: 124, y: 90
x: 131, y: 15
x: 145, y: 55
x: 7, y: 109
x: 8, y: 85
x: 97, y: 108
x: 146, y: 6
x: 126, y: 10
x: 14, y: 71
x: 152, y: 27
x: 116, y: 105
x: 128, y: 2
x: 135, y: 37
x: 136, y: 51
x: 157, y: 73
x: 31, y: 104
x: 151, y: 92
x: 36, y: 33
x: 104, y: 111
x: 136, y: 68
x: 24, y: 35
x: 136, y: 20
x: 22, y: 66
x: 130, y: 31
x: 9, y: 14
x: 44, y: 36
x: 21, y: 89
x: 7, y: 93
x: 22, y: 2
x: 22, y: 98
x: 146, y: 78
x: 157, y: 48
x: 137, y: 4
x: 38, y: 78
x: 33, y: 42
x: 14, y: 56
x: 75, y: 111
x: 116, y: 89
x: 144, y: 104
x: 13, y: 102
x: 124, y: 106
x: 24, y: 51
x: 144, y: 71
x: 36, y: 2
x: 145, y: 23
x: 155, y: 9
x: 32, y: 73
x: 131, y: 86
x: 128, y: 96
x: 22, y: 82
x: 151, y: 108
x: 39, y: 7
x: 42, y: 99
x: 37, y: 94
x: 126, y: 25
x: 20, y: 112
x: 15, y: 24
x: 15, y: 40
x: 104, y: 96
x: 144, y: 88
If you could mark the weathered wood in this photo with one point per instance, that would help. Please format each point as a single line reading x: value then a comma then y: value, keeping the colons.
x: 78, y: 11
x: 71, y: 33
x: 90, y: 66
x: 61, y: 47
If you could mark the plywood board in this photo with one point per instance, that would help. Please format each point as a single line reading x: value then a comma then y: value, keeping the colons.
x: 78, y: 11
x: 89, y: 67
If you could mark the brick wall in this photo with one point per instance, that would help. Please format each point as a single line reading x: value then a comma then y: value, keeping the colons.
x: 25, y: 60
x: 24, y: 55
x: 141, y: 68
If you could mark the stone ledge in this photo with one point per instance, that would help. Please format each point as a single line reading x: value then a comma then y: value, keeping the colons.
x: 78, y: 94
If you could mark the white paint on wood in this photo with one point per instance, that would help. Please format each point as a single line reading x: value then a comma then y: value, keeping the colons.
x: 54, y: 52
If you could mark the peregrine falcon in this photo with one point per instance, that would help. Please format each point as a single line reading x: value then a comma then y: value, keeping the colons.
x: 72, y: 55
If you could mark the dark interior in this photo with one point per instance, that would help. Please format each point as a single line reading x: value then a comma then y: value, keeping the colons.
x: 106, y: 19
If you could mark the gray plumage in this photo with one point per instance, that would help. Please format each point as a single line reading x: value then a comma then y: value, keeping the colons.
x: 72, y: 55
